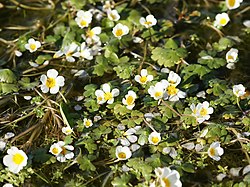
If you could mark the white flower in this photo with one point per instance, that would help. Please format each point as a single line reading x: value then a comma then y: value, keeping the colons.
x: 87, y: 122
x: 144, y: 77
x: 85, y: 52
x: 221, y: 19
x: 52, y: 82
x: 154, y: 138
x: 239, y: 90
x: 92, y: 35
x: 32, y: 45
x: 62, y: 151
x: 83, y: 18
x: 232, y: 55
x: 55, y: 149
x: 129, y: 136
x: 15, y: 160
x: 202, y: 111
x: 129, y: 100
x: 67, y: 130
x: 113, y: 15
x: 174, y: 78
x: 107, y: 6
x: 158, y: 91
x: 174, y: 94
x: 123, y: 153
x: 215, y: 151
x: 167, y: 177
x: 137, y: 40
x: 120, y: 30
x: 106, y: 95
x: 70, y: 52
x: 149, y: 21
x: 8, y: 185
x: 233, y: 4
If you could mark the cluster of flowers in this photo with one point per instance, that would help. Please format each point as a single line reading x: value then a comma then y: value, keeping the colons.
x: 62, y: 151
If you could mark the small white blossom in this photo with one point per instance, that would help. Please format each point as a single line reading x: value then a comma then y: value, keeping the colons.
x: 123, y: 153
x: 221, y: 20
x: 92, y: 35
x: 167, y: 177
x: 52, y: 82
x: 62, y: 151
x: 87, y: 122
x: 215, y: 151
x: 113, y: 15
x: 149, y: 21
x: 8, y: 185
x: 18, y: 53
x: 202, y: 111
x: 120, y: 30
x: 233, y: 4
x: 106, y: 95
x: 144, y: 77
x: 158, y: 91
x: 154, y: 138
x: 67, y: 130
x: 84, y: 52
x: 15, y: 160
x: 83, y: 18
x: 129, y: 100
x: 32, y: 45
x: 239, y: 90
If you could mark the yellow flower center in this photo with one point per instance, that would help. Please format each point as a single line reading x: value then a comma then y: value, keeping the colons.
x: 143, y: 79
x: 231, y: 3
x: 18, y: 158
x: 113, y: 16
x: 68, y: 130
x: 230, y: 57
x: 155, y: 140
x: 33, y: 46
x: 64, y: 151
x: 172, y: 82
x: 166, y: 182
x: 122, y: 155
x: 158, y: 94
x: 223, y: 21
x: 108, y: 96
x: 90, y: 33
x: 172, y: 90
x: 119, y: 32
x: 55, y: 150
x: 203, y: 112
x: 99, y: 98
x: 148, y: 23
x: 51, y: 82
x: 212, y: 151
x: 83, y: 23
x: 88, y: 123
x: 130, y: 100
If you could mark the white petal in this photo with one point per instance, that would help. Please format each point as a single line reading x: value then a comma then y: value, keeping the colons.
x: 44, y: 89
x: 52, y: 73
x: 115, y: 92
x: 60, y: 81
x: 43, y: 79
x: 106, y: 88
x: 144, y: 72
x: 54, y: 90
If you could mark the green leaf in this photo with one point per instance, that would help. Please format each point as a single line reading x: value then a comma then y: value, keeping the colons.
x: 40, y: 155
x: 210, y: 61
x: 6, y: 88
x: 195, y: 69
x: 223, y: 44
x: 188, y: 167
x: 170, y: 56
x: 85, y: 163
x: 7, y: 76
x: 42, y: 58
x: 120, y: 109
x: 25, y: 83
x: 90, y: 90
x: 124, y: 71
x: 121, y: 181
x: 102, y: 66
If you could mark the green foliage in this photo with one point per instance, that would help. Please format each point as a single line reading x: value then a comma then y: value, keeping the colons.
x: 169, y: 55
